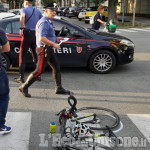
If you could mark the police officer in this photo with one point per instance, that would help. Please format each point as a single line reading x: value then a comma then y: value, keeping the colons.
x: 46, y: 41
x: 4, y: 84
x: 28, y: 20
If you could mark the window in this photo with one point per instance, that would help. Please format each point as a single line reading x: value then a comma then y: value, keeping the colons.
x: 15, y: 27
x: 8, y: 28
x: 64, y: 30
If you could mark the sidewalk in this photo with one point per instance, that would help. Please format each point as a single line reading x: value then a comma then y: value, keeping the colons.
x: 143, y: 20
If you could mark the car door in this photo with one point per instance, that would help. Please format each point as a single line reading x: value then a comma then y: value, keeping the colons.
x: 73, y: 50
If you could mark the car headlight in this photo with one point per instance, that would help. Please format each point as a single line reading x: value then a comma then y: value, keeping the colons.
x: 127, y: 43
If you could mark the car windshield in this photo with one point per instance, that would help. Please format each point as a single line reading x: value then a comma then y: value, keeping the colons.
x: 86, y: 29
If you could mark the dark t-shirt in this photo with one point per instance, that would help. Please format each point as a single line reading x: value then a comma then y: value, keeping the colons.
x: 3, y: 41
x: 96, y: 24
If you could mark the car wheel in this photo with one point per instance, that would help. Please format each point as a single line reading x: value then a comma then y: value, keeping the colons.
x: 86, y: 22
x: 5, y: 61
x: 69, y: 16
x: 102, y: 62
x: 79, y: 19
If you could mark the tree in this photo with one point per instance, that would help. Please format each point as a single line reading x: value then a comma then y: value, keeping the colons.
x: 96, y: 2
x: 46, y: 2
x: 112, y: 4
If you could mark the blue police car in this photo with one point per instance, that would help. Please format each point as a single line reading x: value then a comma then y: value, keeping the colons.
x: 100, y: 51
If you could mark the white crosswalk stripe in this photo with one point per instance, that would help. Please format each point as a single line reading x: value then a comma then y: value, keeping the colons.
x: 140, y: 29
x: 142, y: 122
x: 133, y: 30
x: 126, y: 30
x: 18, y: 139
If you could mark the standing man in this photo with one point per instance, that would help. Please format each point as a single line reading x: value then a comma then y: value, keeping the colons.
x: 98, y: 18
x: 4, y: 84
x: 46, y: 42
x: 28, y: 20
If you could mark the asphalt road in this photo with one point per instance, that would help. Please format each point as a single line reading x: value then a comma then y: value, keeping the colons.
x: 126, y: 90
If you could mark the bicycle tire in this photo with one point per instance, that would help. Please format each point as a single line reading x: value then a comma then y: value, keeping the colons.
x: 112, y: 115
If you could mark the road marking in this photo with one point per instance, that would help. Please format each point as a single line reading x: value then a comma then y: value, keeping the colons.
x: 142, y: 122
x: 139, y: 29
x: 126, y: 30
x: 142, y: 57
x: 117, y: 32
x: 18, y: 139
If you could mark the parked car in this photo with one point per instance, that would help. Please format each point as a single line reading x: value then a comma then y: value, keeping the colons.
x: 59, y: 11
x: 92, y: 11
x: 82, y: 14
x: 6, y: 15
x: 15, y: 11
x: 74, y: 11
x: 100, y: 51
x: 78, y: 10
x: 65, y: 12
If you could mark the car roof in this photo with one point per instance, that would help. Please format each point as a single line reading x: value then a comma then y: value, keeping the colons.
x: 12, y: 10
x: 4, y: 15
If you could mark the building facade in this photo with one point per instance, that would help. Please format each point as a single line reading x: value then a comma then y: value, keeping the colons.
x: 142, y: 7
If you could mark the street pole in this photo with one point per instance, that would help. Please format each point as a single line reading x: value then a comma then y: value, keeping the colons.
x: 134, y: 8
x: 123, y: 12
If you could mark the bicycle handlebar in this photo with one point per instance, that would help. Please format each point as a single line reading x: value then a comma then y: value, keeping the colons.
x: 73, y: 105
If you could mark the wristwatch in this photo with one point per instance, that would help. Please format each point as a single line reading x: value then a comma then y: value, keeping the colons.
x: 21, y: 28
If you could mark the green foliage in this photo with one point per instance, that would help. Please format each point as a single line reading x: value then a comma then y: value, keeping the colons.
x: 102, y: 1
x: 46, y: 2
x: 113, y: 2
x: 97, y: 2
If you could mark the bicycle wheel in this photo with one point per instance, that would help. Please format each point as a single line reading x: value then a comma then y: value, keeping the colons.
x: 97, y: 118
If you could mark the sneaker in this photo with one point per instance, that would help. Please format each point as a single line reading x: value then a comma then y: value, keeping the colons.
x: 5, y: 129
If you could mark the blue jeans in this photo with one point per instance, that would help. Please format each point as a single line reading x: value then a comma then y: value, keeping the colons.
x: 4, y: 95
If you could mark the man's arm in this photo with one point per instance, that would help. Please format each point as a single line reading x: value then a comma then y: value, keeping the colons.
x: 43, y: 30
x: 45, y: 41
x: 5, y: 48
x: 4, y: 44
x: 22, y: 21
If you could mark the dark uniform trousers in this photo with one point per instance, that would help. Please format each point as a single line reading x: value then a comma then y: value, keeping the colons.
x: 28, y: 41
x: 46, y: 55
